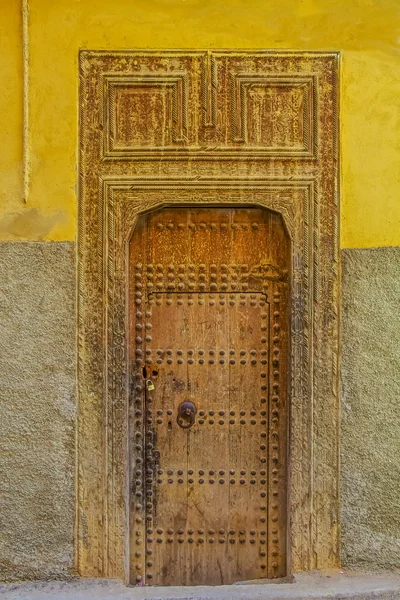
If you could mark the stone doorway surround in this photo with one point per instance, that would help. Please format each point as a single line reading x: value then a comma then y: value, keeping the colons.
x: 206, y: 143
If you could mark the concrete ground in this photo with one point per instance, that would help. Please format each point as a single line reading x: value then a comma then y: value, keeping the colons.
x: 316, y: 586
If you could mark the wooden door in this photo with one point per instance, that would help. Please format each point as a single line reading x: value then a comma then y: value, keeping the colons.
x: 209, y: 329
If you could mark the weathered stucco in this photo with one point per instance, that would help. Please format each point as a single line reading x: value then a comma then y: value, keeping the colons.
x: 37, y: 409
x: 370, y: 436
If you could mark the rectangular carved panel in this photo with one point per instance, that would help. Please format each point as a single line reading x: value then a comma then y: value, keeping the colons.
x: 144, y: 112
x: 274, y: 113
x: 205, y: 129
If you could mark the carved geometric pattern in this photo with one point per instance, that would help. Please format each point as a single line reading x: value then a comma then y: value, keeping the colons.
x: 207, y: 105
x: 206, y: 167
x: 144, y: 112
x: 278, y: 114
x: 209, y: 90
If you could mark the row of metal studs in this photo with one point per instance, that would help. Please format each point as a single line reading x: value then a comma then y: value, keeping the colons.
x: 203, y: 226
x: 274, y: 432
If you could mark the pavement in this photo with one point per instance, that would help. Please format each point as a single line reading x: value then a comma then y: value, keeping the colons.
x: 338, y: 585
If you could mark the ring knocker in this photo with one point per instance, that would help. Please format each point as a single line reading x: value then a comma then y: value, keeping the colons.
x: 186, y: 414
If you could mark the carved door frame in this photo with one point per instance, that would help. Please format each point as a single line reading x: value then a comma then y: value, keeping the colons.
x: 117, y: 184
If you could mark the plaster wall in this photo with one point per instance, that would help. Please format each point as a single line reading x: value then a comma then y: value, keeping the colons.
x: 370, y: 437
x: 37, y: 409
x: 42, y: 204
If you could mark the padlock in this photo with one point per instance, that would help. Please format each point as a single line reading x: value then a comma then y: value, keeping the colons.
x: 149, y: 385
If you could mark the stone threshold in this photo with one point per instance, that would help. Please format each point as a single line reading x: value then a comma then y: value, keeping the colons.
x: 317, y: 586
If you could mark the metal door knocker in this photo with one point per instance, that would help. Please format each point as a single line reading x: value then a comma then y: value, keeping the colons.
x: 186, y: 414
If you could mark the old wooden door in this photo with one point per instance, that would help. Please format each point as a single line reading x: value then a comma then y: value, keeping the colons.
x: 209, y: 325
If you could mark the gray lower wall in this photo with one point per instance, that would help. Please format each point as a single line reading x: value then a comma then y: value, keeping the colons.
x: 370, y: 430
x: 37, y: 409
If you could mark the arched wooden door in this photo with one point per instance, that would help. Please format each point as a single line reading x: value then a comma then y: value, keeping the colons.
x: 209, y: 334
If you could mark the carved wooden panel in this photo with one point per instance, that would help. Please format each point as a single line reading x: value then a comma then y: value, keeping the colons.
x: 145, y: 112
x: 198, y: 128
x: 275, y: 114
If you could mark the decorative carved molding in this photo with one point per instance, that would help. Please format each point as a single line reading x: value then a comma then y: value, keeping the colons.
x: 114, y: 189
x: 209, y: 90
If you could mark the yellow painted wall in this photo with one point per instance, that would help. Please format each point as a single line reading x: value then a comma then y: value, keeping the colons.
x: 367, y: 32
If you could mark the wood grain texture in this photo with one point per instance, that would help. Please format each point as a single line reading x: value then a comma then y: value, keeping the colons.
x: 240, y: 129
x: 209, y: 324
